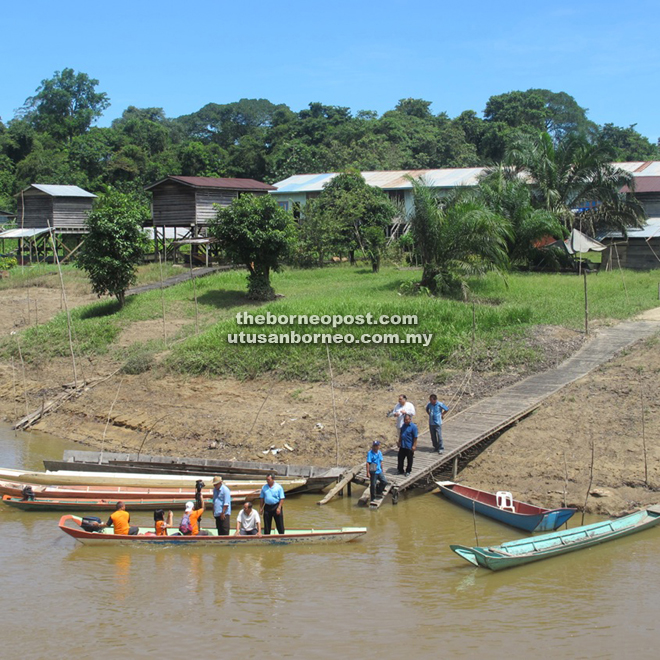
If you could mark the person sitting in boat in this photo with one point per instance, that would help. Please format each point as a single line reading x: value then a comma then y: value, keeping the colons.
x: 190, y: 521
x: 120, y: 521
x: 248, y: 522
x: 159, y: 522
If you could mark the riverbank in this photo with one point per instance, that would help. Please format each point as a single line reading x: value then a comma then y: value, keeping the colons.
x: 159, y: 408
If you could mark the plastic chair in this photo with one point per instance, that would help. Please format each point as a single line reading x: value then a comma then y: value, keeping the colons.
x: 504, y: 501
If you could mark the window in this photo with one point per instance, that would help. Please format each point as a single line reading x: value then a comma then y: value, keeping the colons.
x: 283, y: 205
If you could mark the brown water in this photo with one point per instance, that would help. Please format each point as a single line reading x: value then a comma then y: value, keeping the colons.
x: 399, y: 592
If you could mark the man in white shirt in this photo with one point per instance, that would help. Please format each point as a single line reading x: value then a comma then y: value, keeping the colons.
x: 248, y: 522
x: 404, y: 407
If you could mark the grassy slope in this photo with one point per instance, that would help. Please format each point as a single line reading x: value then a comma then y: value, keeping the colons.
x: 503, y: 315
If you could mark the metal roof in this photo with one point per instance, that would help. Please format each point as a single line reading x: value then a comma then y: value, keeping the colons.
x: 23, y: 233
x: 641, y: 169
x: 59, y: 191
x: 215, y: 182
x: 644, y: 184
x: 650, y: 230
x: 387, y: 180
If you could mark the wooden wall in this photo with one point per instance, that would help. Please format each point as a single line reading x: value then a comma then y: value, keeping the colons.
x: 636, y: 255
x: 38, y: 210
x: 173, y: 205
x: 207, y: 198
x: 71, y: 212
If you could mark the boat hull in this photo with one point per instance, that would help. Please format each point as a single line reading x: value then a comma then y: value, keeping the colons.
x: 76, y: 478
x: 114, y: 493
x: 525, y: 551
x: 71, y: 526
x: 91, y: 505
x: 527, y: 517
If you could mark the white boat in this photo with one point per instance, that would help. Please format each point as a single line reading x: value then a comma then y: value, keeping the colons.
x: 75, y: 478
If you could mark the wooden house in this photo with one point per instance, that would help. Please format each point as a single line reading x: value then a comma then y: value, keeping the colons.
x: 640, y: 250
x: 188, y: 201
x: 62, y: 208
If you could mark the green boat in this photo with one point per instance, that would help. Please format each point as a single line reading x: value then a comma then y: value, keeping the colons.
x: 534, y: 548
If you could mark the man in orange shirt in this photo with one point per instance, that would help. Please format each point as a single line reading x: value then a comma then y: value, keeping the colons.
x: 120, y: 521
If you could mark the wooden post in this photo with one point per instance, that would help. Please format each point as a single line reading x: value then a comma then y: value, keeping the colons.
x: 591, y: 479
x: 334, y: 410
x: 646, y: 462
x: 454, y: 470
x: 162, y: 296
x: 586, y: 306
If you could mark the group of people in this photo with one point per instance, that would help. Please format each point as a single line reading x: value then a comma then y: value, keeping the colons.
x: 248, y: 520
x: 407, y: 435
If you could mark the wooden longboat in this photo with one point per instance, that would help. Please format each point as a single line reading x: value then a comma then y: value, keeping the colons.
x: 114, y: 493
x: 525, y: 516
x: 76, y: 478
x: 91, y: 505
x: 147, y: 536
x: 535, y: 548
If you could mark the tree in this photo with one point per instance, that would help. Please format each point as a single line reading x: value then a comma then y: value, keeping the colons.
x: 627, y: 144
x: 364, y: 213
x: 254, y: 230
x: 66, y: 104
x: 572, y: 173
x: 456, y: 237
x: 507, y: 195
x: 114, y: 244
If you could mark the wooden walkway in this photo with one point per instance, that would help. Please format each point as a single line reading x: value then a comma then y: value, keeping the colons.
x: 491, y: 415
x: 177, y: 279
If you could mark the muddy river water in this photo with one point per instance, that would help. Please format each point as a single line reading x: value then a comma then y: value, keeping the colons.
x: 397, y: 593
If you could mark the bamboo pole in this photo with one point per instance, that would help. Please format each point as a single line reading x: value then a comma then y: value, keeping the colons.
x: 20, y: 355
x: 162, y: 296
x: 623, y: 279
x: 591, y: 479
x: 586, y: 306
x: 474, y: 520
x: 107, y: 423
x: 192, y: 276
x: 66, y: 306
x: 13, y: 380
x: 334, y: 409
x: 646, y: 462
x: 565, y: 479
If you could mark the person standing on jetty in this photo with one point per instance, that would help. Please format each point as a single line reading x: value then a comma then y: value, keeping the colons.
x: 377, y: 481
x: 271, y: 496
x: 407, y: 444
x: 402, y: 407
x: 221, y: 506
x: 436, y: 411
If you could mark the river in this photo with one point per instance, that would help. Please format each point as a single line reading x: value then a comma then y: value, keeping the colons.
x: 398, y: 592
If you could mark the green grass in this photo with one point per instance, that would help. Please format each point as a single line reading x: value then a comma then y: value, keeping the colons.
x: 504, y: 315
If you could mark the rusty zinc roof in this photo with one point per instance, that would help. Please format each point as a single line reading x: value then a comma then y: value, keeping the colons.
x: 216, y: 182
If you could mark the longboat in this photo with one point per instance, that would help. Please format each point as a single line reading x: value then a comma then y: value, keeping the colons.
x: 71, y: 525
x: 92, y: 505
x: 76, y: 478
x: 114, y: 493
x: 524, y: 516
x: 535, y: 548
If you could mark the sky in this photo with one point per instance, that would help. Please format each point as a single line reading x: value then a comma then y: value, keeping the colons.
x: 366, y: 56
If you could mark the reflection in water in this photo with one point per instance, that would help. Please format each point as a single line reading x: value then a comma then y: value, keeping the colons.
x: 398, y: 592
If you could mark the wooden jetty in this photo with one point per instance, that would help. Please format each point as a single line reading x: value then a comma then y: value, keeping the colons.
x: 494, y: 414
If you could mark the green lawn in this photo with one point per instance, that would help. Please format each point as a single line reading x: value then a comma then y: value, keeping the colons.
x: 504, y: 312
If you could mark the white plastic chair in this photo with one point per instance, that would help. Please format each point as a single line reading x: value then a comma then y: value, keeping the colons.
x: 504, y: 501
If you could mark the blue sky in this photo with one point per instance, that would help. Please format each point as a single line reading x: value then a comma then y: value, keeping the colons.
x: 367, y: 56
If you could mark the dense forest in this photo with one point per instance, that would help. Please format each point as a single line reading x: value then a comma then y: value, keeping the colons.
x: 52, y: 138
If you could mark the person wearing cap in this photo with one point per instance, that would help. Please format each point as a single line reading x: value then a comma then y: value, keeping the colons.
x: 221, y: 506
x: 407, y: 444
x: 271, y: 496
x: 193, y: 515
x: 377, y: 481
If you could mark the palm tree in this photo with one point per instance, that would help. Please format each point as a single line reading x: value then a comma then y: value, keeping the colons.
x: 456, y: 237
x: 506, y: 194
x: 568, y: 174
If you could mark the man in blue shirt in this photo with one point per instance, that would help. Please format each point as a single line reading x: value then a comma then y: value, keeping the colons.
x: 377, y: 481
x: 221, y: 506
x: 407, y: 444
x: 436, y: 411
x: 271, y: 496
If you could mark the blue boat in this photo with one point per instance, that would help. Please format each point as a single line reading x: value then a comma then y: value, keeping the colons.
x: 503, y: 508
x: 534, y: 548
